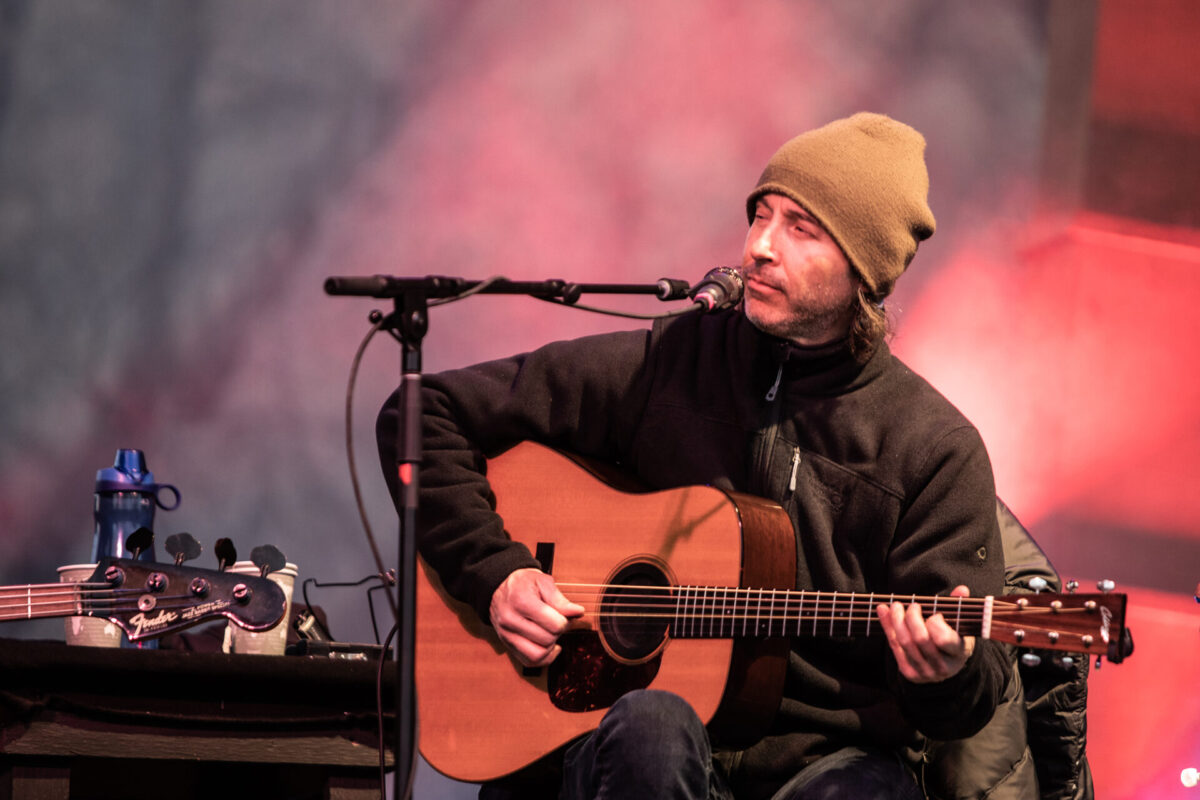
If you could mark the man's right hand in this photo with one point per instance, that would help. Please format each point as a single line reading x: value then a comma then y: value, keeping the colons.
x: 530, y: 613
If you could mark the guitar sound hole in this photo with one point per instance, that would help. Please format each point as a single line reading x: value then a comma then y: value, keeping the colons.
x: 635, y: 611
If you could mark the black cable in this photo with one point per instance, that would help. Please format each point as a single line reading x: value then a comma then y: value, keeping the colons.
x: 627, y: 314
x: 379, y: 716
x: 352, y: 380
x: 385, y: 580
x: 371, y: 604
x: 479, y: 287
x: 408, y: 789
x: 354, y: 483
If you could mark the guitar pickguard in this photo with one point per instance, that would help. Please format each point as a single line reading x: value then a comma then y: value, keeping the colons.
x: 585, y: 677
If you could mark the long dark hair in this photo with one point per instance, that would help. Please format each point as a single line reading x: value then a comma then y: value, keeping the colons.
x: 871, y: 325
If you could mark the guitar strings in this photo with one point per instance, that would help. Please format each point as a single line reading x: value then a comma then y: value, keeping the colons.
x: 699, y: 610
x: 18, y: 605
x: 652, y: 590
x: 757, y: 600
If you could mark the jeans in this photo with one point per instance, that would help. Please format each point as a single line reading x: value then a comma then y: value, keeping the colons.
x: 652, y: 745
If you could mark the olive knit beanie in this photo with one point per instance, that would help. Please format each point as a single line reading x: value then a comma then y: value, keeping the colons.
x: 864, y: 179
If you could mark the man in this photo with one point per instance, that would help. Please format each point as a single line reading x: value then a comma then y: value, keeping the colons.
x: 794, y: 397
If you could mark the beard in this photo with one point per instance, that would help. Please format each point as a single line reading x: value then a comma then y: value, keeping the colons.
x: 814, y: 322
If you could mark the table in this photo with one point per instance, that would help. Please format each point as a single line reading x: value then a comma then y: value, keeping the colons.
x: 94, y: 723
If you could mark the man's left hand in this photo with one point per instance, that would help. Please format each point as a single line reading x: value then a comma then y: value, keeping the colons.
x: 926, y: 650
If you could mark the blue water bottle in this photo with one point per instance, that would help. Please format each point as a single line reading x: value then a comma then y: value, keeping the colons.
x: 126, y: 495
x: 125, y: 498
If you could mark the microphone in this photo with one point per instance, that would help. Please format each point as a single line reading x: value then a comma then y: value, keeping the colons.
x: 721, y: 288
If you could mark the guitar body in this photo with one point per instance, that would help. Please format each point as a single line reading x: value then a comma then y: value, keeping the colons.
x: 483, y: 716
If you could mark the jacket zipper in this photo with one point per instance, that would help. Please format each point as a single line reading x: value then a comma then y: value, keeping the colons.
x: 795, y: 469
x: 772, y: 433
x: 774, y: 390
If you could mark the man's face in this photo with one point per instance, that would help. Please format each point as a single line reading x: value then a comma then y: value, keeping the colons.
x: 799, y: 285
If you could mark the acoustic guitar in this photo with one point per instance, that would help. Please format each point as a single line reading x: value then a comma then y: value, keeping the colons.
x: 688, y: 590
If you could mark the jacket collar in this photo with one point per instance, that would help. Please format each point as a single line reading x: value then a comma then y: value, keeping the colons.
x: 827, y: 369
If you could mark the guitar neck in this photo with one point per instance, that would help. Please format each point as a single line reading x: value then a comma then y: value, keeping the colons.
x: 700, y: 612
x: 38, y: 600
x: 1085, y: 623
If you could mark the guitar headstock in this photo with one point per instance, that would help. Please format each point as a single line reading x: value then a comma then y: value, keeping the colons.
x: 148, y: 600
x: 1077, y: 623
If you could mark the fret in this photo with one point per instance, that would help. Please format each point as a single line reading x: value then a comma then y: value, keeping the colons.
x: 745, y: 613
x: 687, y: 611
x: 724, y: 610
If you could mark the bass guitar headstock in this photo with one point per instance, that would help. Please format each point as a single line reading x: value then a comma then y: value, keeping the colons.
x: 148, y: 600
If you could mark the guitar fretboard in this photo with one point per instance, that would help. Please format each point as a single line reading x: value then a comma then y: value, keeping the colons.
x: 708, y: 612
x: 39, y: 600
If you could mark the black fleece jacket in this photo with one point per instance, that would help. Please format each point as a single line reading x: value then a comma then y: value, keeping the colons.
x: 888, y: 486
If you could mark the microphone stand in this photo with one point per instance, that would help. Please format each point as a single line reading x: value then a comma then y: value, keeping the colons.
x: 409, y: 323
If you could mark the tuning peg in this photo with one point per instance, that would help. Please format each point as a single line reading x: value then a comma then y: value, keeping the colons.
x: 183, y: 546
x: 1038, y: 584
x: 139, y: 541
x: 268, y: 558
x: 1106, y: 585
x: 1072, y: 585
x: 226, y: 553
x: 1031, y: 659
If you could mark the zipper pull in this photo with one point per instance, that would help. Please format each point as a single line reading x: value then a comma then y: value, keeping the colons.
x: 795, y: 469
x: 775, y: 386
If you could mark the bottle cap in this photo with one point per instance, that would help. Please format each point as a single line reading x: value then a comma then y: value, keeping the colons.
x: 127, y: 474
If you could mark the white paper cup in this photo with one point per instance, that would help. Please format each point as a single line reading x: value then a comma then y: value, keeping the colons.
x: 273, y: 641
x: 88, y: 631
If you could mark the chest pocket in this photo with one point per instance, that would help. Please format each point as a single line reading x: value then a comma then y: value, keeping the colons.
x: 843, y: 522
